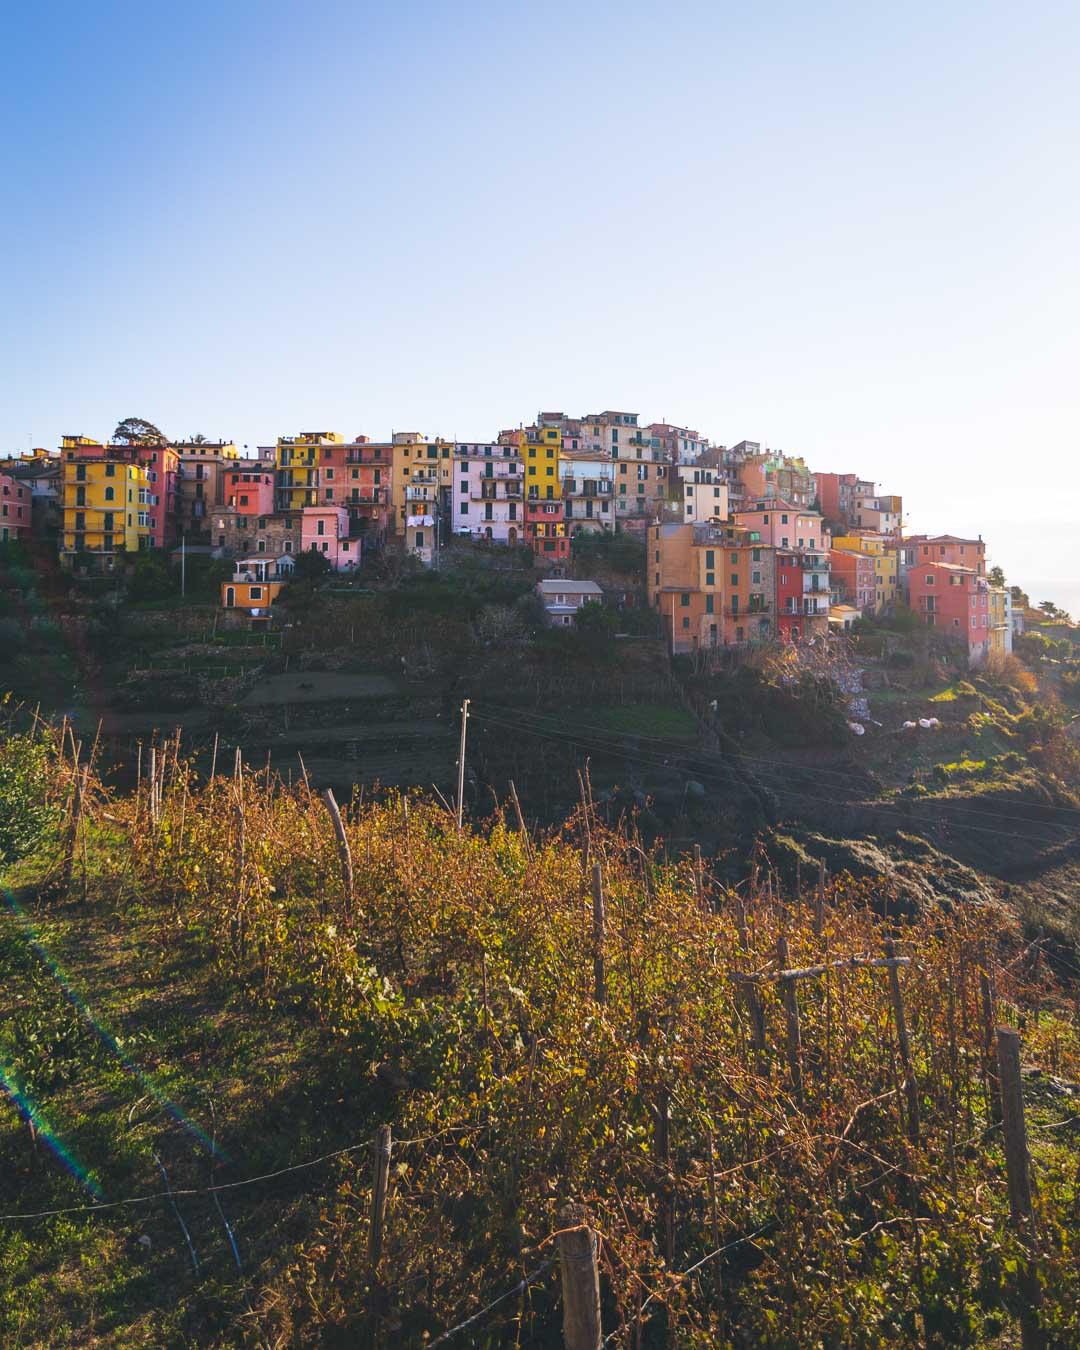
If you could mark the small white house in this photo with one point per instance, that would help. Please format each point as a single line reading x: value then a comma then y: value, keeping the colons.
x: 562, y: 599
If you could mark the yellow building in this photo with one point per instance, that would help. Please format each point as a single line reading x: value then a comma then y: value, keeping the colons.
x: 882, y: 548
x: 1000, y: 624
x: 298, y: 461
x: 542, y: 449
x: 104, y: 498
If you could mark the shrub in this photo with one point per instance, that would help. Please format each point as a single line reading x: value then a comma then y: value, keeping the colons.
x: 24, y: 812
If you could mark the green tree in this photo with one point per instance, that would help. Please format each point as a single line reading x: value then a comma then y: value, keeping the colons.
x: 996, y: 576
x: 151, y: 578
x: 310, y: 565
x: 138, y: 431
x: 1020, y: 597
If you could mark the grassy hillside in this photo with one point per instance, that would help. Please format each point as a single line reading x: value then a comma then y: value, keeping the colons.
x: 195, y: 994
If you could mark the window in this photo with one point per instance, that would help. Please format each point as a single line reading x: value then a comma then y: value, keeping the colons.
x: 110, y: 470
x: 684, y: 598
x: 255, y: 592
x: 710, y: 578
x: 708, y: 604
x: 734, y: 578
x: 783, y: 520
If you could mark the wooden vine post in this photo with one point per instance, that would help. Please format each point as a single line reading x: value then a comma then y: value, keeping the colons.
x: 598, y: 925
x: 380, y: 1175
x: 987, y: 999
x: 344, y: 853
x: 792, y: 1025
x: 580, y: 1280
x: 78, y: 792
x: 911, y: 1086
x: 748, y: 991
x: 1018, y: 1169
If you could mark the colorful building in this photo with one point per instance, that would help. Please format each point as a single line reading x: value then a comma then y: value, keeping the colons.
x: 416, y: 491
x: 956, y: 602
x: 836, y: 494
x: 882, y: 550
x: 854, y: 579
x: 234, y: 532
x: 678, y: 445
x: 15, y: 510
x: 256, y: 583
x: 587, y: 491
x: 200, y: 486
x: 545, y: 511
x: 1001, y: 621
x: 696, y: 493
x: 488, y: 496
x: 162, y: 465
x: 784, y: 525
x: 358, y: 475
x: 39, y: 472
x: 249, y: 489
x: 944, y: 548
x: 298, y: 462
x: 771, y: 475
x: 803, y: 594
x: 712, y: 584
x: 105, y: 499
x: 325, y: 530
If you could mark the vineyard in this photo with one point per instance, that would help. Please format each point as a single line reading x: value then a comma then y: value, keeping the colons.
x: 283, y: 1075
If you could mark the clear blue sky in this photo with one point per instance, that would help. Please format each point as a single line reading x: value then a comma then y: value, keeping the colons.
x: 845, y: 230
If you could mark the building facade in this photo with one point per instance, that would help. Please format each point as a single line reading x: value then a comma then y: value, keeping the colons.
x: 15, y: 510
x: 488, y: 497
x: 105, y: 499
x: 956, y: 602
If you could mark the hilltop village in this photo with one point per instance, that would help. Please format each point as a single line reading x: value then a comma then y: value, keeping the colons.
x: 743, y: 544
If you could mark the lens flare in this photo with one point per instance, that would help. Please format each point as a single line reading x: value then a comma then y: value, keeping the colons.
x: 105, y: 1036
x: 32, y: 1114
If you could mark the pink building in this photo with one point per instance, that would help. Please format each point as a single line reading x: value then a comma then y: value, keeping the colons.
x: 783, y: 525
x: 249, y: 491
x: 326, y: 530
x: 14, y: 509
x: 162, y: 465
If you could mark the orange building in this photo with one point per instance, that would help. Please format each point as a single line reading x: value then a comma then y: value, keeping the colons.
x: 712, y: 584
x: 256, y: 583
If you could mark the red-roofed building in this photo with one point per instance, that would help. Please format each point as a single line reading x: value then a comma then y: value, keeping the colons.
x: 956, y: 602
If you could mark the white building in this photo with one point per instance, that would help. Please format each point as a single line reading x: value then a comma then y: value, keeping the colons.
x: 704, y: 495
x: 562, y: 599
x: 588, y: 485
x: 488, y: 492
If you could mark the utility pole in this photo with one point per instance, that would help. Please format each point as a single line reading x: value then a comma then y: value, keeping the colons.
x: 461, y: 763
